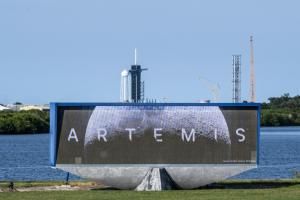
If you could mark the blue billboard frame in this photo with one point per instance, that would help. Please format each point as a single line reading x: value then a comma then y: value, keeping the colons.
x: 54, y: 108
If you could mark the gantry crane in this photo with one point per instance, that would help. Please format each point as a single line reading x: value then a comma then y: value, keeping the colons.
x: 214, y: 88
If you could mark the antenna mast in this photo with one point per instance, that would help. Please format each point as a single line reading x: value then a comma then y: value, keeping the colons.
x: 252, y: 73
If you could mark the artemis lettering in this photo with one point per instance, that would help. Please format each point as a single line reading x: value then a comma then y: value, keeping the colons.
x: 186, y: 136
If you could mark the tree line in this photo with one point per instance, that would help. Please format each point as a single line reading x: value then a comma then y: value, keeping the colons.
x: 22, y: 122
x: 281, y: 111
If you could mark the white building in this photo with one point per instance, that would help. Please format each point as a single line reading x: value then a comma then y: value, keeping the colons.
x: 31, y: 107
x: 3, y: 108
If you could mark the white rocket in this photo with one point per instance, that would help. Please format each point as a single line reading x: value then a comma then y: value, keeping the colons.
x: 124, y: 92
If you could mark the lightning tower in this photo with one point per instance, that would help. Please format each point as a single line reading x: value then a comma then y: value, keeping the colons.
x: 252, y: 97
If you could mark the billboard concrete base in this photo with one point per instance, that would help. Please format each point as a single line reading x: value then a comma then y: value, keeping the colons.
x: 149, y: 178
x: 156, y: 179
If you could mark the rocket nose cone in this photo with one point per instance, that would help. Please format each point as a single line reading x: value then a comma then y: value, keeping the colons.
x: 124, y: 72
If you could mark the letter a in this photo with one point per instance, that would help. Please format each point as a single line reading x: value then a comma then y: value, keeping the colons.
x: 72, y: 135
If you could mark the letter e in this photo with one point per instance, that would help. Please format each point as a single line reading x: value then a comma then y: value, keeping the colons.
x: 156, y: 134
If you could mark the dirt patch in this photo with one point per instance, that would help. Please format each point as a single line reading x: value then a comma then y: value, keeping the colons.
x: 52, y: 188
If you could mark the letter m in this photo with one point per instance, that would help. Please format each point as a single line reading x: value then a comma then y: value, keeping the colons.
x: 185, y: 136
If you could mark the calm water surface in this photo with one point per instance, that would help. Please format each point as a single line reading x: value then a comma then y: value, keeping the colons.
x: 279, y: 155
x: 26, y: 157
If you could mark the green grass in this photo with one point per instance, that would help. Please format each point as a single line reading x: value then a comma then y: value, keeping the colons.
x: 286, y: 193
x: 235, y: 189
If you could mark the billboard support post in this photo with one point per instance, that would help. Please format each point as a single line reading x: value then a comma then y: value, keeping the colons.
x: 157, y: 179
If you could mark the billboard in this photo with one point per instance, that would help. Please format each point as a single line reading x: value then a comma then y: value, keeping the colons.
x: 163, y: 134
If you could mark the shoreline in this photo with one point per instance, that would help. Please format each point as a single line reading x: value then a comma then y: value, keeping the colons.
x: 23, y: 134
x: 247, y: 184
x: 280, y: 128
x: 262, y: 129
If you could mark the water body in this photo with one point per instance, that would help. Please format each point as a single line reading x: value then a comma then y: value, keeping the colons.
x: 279, y: 155
x: 26, y: 157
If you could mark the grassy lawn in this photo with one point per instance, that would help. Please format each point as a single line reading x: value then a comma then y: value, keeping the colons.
x: 286, y: 193
x: 248, y: 189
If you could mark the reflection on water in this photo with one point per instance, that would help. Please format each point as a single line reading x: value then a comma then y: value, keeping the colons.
x: 26, y: 157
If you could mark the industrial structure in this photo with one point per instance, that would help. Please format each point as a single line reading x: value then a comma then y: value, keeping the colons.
x: 236, y: 79
x: 136, y: 91
x: 252, y: 97
x: 214, y: 88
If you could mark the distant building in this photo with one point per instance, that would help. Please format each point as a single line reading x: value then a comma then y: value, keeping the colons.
x: 30, y: 107
x: 14, y: 107
x: 2, y: 107
x: 46, y: 107
x: 35, y: 107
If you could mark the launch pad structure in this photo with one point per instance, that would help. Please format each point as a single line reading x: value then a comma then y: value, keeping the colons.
x: 135, y: 92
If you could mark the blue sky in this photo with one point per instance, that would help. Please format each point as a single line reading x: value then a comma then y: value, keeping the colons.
x: 75, y: 50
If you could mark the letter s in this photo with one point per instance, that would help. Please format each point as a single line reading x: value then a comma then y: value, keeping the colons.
x: 242, y: 139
